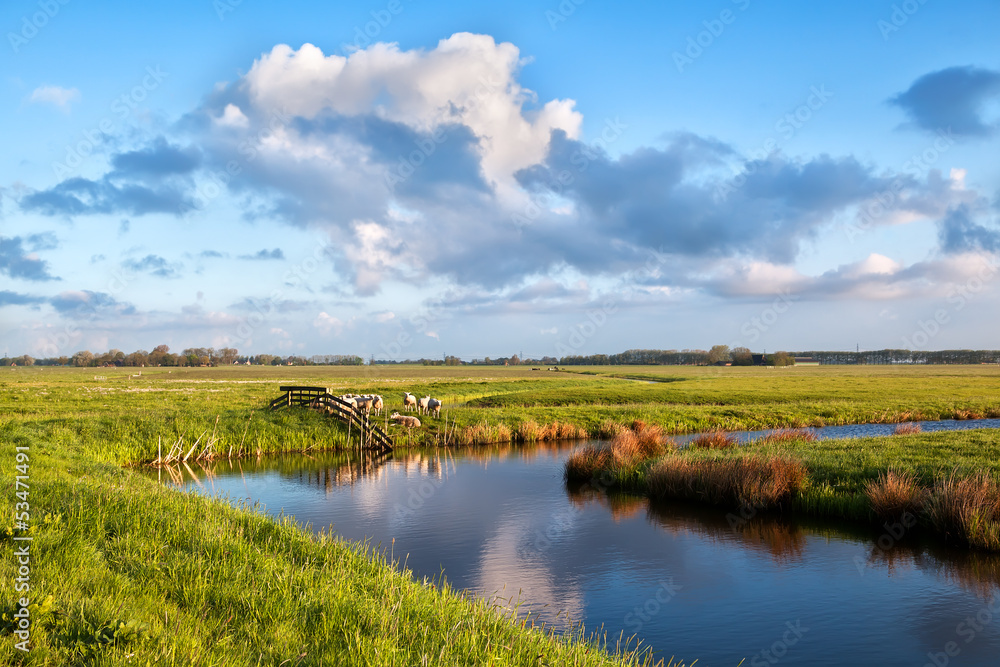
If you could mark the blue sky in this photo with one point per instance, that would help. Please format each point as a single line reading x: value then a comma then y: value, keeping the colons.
x: 405, y: 179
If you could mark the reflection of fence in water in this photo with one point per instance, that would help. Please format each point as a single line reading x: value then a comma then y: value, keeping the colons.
x: 374, y: 468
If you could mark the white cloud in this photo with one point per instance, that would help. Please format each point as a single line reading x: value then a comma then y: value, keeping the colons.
x: 233, y: 117
x: 327, y: 323
x: 467, y: 79
x: 60, y: 97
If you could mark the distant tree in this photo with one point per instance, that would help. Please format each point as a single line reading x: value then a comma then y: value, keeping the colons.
x: 783, y: 359
x: 227, y: 355
x: 83, y: 358
x: 27, y: 361
x: 741, y: 356
x: 137, y: 358
x: 718, y: 353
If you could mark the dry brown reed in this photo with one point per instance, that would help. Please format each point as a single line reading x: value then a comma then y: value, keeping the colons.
x: 714, y: 440
x: 627, y: 448
x: 785, y: 435
x: 748, y: 481
x: 967, y: 508
x: 587, y: 462
x: 894, y: 494
x: 909, y: 428
x: 529, y: 431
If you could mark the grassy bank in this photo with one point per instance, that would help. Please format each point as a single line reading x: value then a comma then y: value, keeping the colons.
x: 946, y: 481
x: 126, y: 571
x: 141, y: 574
x: 120, y: 417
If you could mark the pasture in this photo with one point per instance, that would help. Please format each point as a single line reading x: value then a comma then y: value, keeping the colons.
x: 124, y: 569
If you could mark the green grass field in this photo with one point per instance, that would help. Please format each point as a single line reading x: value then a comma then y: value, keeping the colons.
x: 140, y: 574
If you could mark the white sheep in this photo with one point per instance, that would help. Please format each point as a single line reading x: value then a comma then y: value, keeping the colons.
x: 434, y: 405
x: 409, y: 401
x: 422, y: 404
x: 377, y: 405
x: 404, y: 420
x: 363, y: 404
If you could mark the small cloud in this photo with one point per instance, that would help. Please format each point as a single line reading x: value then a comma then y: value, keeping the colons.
x: 952, y: 99
x: 433, y: 334
x: 16, y: 262
x: 94, y: 259
x: 154, y: 265
x: 210, y: 253
x: 82, y: 303
x: 123, y: 227
x: 265, y: 255
x: 232, y: 117
x: 327, y: 323
x: 8, y: 298
x: 60, y: 97
x: 387, y: 316
x: 43, y: 241
x: 552, y: 331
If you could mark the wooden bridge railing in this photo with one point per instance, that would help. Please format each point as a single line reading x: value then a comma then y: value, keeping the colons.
x: 320, y: 398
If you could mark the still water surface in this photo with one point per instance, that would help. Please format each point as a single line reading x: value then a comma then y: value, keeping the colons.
x: 501, y: 519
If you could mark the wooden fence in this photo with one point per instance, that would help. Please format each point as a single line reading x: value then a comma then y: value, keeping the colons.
x: 370, y: 436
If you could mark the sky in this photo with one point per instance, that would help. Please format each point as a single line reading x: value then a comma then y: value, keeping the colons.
x: 407, y: 178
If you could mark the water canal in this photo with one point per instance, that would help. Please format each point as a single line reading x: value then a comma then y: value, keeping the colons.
x: 680, y: 577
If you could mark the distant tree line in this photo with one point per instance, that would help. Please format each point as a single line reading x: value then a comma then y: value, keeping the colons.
x: 717, y: 355
x: 741, y: 356
x: 192, y: 356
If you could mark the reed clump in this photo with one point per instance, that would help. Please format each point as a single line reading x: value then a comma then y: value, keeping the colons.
x: 909, y: 428
x: 746, y: 481
x: 628, y: 448
x: 714, y: 440
x: 967, y: 508
x: 785, y: 435
x: 529, y: 431
x: 588, y: 462
x: 483, y: 433
x: 894, y: 494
